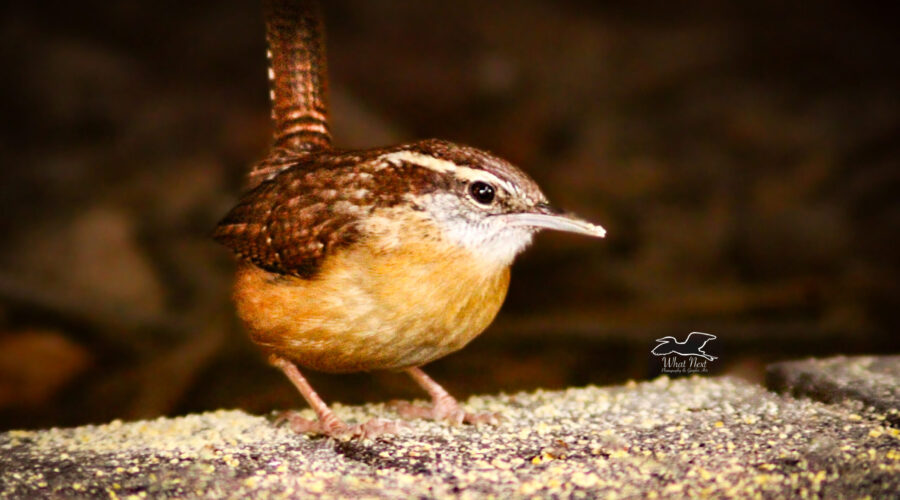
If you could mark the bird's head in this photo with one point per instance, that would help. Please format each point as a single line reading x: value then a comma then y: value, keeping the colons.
x: 482, y: 202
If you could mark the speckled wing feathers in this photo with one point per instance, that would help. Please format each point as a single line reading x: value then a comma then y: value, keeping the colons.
x: 314, y: 206
x: 288, y: 225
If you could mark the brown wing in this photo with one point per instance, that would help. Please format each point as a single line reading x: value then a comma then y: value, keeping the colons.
x: 289, y: 223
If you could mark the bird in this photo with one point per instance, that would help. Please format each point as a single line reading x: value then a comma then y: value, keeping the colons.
x: 378, y: 259
x: 693, y: 345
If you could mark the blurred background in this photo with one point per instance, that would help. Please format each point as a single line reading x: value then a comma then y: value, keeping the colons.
x: 743, y: 156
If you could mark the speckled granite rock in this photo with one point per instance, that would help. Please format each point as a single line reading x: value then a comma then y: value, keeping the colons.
x: 698, y: 437
x: 872, y: 380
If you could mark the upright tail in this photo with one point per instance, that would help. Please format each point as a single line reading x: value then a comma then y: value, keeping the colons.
x: 298, y: 80
x: 297, y: 74
x: 298, y: 83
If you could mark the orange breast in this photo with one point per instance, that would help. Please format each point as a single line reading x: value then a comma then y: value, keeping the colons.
x: 373, y: 308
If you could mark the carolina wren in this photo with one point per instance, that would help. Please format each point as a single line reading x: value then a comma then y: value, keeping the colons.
x: 383, y: 259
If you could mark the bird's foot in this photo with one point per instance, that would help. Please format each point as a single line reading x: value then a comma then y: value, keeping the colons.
x: 373, y: 428
x: 446, y: 410
x: 443, y: 406
x: 337, y: 429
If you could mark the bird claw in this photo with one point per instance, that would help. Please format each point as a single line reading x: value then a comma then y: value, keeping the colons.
x: 444, y: 411
x: 490, y: 418
x: 297, y: 423
x: 370, y: 429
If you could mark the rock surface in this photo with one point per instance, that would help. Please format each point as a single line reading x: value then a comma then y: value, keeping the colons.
x: 873, y: 381
x: 709, y: 437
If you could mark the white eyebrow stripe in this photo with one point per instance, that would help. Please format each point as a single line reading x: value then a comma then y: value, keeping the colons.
x: 443, y: 166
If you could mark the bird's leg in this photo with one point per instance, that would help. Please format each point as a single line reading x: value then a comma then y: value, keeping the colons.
x: 443, y: 405
x: 327, y: 422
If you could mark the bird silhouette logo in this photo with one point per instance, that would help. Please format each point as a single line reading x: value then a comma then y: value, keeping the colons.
x: 693, y: 345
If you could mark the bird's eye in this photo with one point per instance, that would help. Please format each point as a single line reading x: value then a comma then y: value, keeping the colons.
x: 482, y: 192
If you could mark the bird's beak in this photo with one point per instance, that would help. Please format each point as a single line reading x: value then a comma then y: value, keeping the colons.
x: 546, y: 217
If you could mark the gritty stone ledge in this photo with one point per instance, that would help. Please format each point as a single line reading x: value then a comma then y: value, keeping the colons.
x: 871, y: 380
x: 696, y: 437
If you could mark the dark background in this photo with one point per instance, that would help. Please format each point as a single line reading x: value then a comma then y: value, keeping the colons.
x: 743, y: 156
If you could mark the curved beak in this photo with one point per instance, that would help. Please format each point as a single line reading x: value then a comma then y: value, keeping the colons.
x: 547, y: 217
